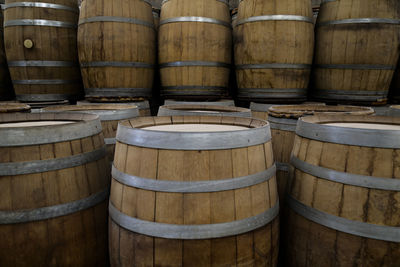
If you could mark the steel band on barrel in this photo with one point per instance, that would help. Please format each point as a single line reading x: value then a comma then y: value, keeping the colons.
x: 360, y: 21
x: 235, y: 112
x: 192, y: 140
x: 45, y: 82
x: 273, y: 66
x: 39, y: 22
x: 196, y: 19
x: 46, y: 97
x: 347, y: 178
x: 327, y: 1
x: 194, y: 89
x: 25, y: 216
x: 193, y: 187
x: 110, y: 141
x: 349, y: 136
x: 42, y: 63
x: 282, y: 124
x: 368, y: 230
x: 351, y: 94
x: 121, y: 64
x: 202, y: 231
x: 108, y: 115
x: 275, y: 18
x: 114, y: 92
x: 194, y: 64
x: 29, y: 167
x: 116, y: 19
x: 281, y: 166
x: 41, y: 5
x: 273, y: 92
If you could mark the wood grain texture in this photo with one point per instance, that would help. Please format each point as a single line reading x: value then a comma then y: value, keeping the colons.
x: 370, y: 44
x: 78, y: 239
x: 117, y: 42
x: 270, y: 42
x: 49, y: 44
x: 312, y: 244
x: 255, y: 248
x: 195, y: 41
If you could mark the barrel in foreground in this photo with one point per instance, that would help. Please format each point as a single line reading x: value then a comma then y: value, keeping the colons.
x: 194, y: 191
x: 342, y: 196
x: 54, y: 187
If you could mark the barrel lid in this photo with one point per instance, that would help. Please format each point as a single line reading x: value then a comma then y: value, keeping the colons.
x: 14, y: 107
x: 250, y: 132
x: 106, y: 112
x: 298, y: 111
x: 364, y: 131
x: 140, y: 104
x: 209, y: 110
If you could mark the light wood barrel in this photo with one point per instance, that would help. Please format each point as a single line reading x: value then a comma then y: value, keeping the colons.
x: 203, y: 110
x: 274, y: 50
x: 283, y: 120
x: 40, y: 43
x: 223, y: 102
x: 194, y: 45
x: 193, y: 191
x: 6, y: 89
x: 54, y: 185
x: 342, y: 196
x: 14, y: 107
x: 117, y: 49
x: 109, y: 115
x: 143, y: 106
x: 356, y: 50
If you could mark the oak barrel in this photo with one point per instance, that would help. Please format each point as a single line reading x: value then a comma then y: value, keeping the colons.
x: 109, y: 115
x: 274, y: 43
x: 117, y: 49
x: 143, y: 106
x: 222, y: 102
x: 193, y: 191
x: 201, y: 110
x: 342, y: 198
x: 41, y: 49
x: 54, y: 186
x: 7, y: 107
x: 283, y: 120
x: 357, y: 48
x: 6, y: 89
x: 194, y: 45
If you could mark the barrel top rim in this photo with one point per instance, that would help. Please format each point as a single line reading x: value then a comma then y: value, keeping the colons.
x: 258, y: 132
x: 298, y: 111
x: 315, y: 128
x: 204, y: 107
x: 8, y: 107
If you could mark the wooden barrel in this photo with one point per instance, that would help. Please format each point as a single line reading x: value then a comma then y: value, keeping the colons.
x: 343, y: 193
x: 223, y: 102
x: 283, y: 120
x: 194, y: 47
x: 6, y: 89
x: 156, y: 18
x: 260, y: 111
x: 356, y: 50
x: 184, y: 193
x: 143, y: 106
x: 6, y: 107
x: 274, y: 50
x: 200, y: 110
x: 54, y: 186
x: 116, y: 42
x: 109, y: 115
x: 40, y: 43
